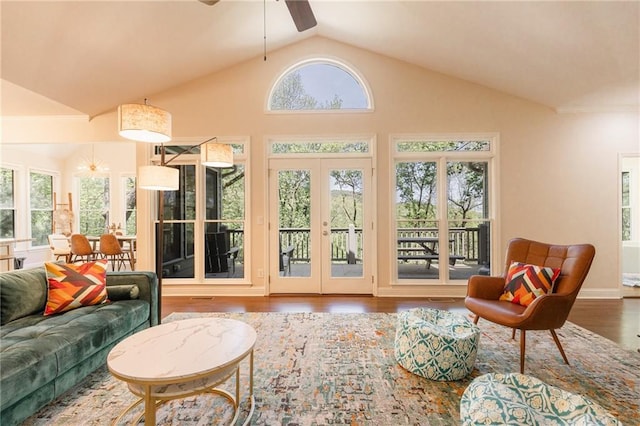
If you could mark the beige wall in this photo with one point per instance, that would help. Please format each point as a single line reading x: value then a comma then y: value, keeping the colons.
x: 558, y: 172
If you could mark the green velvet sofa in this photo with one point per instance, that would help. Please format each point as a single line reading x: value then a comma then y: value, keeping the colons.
x: 42, y: 357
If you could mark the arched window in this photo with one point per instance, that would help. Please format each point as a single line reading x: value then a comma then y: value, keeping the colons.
x: 319, y: 85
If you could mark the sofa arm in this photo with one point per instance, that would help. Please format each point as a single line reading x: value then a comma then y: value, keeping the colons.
x: 147, y: 283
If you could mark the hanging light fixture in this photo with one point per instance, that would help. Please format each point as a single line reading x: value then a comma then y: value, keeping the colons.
x: 158, y: 178
x: 216, y: 155
x: 91, y: 167
x: 144, y: 123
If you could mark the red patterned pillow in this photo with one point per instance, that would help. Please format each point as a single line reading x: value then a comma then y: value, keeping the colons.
x: 526, y: 282
x: 72, y: 286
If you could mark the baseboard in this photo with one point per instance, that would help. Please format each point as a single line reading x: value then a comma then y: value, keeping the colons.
x: 423, y: 291
x: 599, y: 293
x: 210, y: 291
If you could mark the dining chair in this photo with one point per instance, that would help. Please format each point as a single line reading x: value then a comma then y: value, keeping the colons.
x: 60, y: 247
x: 546, y: 311
x: 81, y: 248
x: 111, y: 249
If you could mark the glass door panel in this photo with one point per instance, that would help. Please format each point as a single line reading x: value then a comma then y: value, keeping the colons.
x: 320, y: 244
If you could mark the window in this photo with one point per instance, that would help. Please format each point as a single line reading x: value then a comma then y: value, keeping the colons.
x: 41, y: 206
x: 204, y: 220
x: 442, y: 209
x: 626, y: 207
x: 7, y: 203
x: 319, y: 84
x: 129, y: 191
x: 93, y: 209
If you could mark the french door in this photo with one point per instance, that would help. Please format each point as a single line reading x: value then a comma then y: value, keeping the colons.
x: 320, y: 226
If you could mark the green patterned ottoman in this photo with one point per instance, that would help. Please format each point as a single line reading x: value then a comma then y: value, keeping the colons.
x: 435, y: 344
x: 524, y: 400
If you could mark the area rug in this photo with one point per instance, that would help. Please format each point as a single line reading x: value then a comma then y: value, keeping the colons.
x: 333, y: 369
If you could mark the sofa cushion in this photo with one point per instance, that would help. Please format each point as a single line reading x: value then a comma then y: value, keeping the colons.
x: 22, y: 293
x: 36, y: 349
x: 71, y: 286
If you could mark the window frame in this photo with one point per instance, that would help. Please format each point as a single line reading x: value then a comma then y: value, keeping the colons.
x: 241, y: 146
x: 442, y: 158
x: 339, y: 63
x: 54, y: 182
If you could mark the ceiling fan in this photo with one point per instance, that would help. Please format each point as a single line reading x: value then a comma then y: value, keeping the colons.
x: 300, y: 11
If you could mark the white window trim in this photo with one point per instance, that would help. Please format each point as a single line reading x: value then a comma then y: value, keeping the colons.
x: 491, y: 156
x: 340, y: 63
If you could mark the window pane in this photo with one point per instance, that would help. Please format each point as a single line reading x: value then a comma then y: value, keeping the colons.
x: 178, y: 250
x: 41, y: 193
x: 7, y: 202
x: 181, y: 204
x: 442, y: 146
x: 308, y: 147
x: 130, y: 205
x: 41, y: 207
x: 416, y: 214
x: 6, y: 189
x: 7, y: 223
x: 93, y: 205
x: 41, y: 225
x: 318, y: 86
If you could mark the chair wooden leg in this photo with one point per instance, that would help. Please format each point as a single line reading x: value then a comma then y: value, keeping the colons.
x: 555, y: 338
x: 523, y: 334
x: 513, y: 334
x: 475, y: 320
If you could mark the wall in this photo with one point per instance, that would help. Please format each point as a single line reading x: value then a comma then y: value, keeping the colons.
x: 558, y: 172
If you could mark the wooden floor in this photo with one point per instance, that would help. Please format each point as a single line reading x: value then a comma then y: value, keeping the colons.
x: 617, y: 320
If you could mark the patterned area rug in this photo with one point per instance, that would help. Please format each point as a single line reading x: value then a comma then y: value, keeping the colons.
x: 330, y: 369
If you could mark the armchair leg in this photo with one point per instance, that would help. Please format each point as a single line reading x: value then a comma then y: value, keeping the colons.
x: 523, y: 335
x: 475, y: 320
x: 513, y: 334
x: 555, y: 338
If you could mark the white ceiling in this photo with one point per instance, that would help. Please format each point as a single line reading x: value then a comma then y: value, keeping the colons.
x: 89, y: 56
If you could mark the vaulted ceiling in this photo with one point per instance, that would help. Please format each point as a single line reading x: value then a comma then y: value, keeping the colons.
x: 86, y: 57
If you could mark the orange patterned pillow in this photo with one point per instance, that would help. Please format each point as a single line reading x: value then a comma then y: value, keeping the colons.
x: 526, y: 282
x: 72, y: 286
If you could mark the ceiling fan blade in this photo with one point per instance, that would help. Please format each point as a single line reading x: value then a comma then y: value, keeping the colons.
x: 302, y: 14
x: 209, y: 2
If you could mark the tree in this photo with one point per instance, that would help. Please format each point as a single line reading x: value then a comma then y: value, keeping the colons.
x: 416, y: 190
x: 291, y: 95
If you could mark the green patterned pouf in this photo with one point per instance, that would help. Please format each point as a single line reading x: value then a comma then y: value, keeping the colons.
x: 524, y: 400
x: 435, y: 344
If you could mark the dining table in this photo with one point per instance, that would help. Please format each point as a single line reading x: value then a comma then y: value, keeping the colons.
x: 130, y: 247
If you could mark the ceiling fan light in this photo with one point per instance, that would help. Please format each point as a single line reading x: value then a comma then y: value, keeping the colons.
x: 216, y: 155
x: 159, y: 178
x: 144, y: 123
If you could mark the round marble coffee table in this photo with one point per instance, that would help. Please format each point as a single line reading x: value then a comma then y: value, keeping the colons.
x: 183, y: 358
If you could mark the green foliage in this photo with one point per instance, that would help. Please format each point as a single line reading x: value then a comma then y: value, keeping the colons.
x: 295, y: 198
x: 290, y: 94
x: 233, y: 193
x: 93, y: 205
x: 41, y: 203
x: 416, y: 192
x: 7, y: 211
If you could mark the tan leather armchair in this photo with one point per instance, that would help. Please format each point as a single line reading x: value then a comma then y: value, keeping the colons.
x: 547, y: 312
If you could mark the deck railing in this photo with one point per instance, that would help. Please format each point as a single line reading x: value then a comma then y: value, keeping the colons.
x: 463, y: 242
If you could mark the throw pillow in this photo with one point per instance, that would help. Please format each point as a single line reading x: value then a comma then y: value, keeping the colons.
x: 525, y: 282
x: 122, y: 292
x: 71, y: 286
